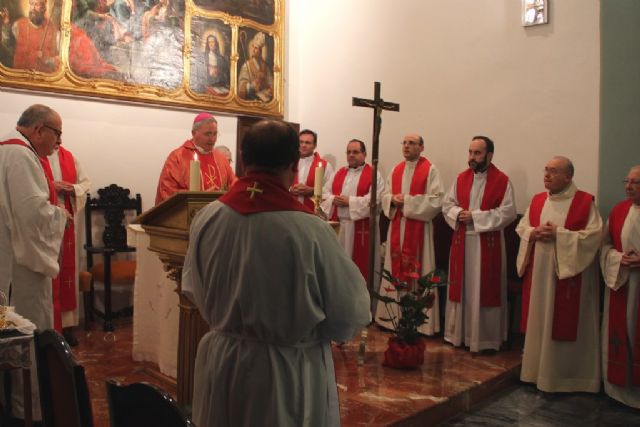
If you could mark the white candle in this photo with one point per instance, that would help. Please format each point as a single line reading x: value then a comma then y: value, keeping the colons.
x: 318, y: 180
x: 194, y: 174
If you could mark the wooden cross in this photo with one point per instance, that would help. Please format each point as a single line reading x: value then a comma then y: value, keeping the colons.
x: 253, y: 190
x: 378, y: 105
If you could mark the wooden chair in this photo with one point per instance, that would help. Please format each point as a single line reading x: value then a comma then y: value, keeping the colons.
x: 113, y: 201
x: 64, y: 396
x: 142, y: 404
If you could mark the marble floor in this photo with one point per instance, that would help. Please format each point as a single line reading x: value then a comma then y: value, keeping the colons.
x: 451, y: 380
x: 525, y: 406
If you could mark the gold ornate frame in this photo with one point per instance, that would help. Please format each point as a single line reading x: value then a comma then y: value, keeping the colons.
x: 123, y: 87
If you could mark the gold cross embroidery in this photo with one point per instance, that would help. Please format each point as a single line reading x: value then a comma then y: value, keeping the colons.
x: 253, y: 190
x: 210, y: 178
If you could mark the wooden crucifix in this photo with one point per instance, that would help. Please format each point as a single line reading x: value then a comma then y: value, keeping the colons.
x: 378, y: 105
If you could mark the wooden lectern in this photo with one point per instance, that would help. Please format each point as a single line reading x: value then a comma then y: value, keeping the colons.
x: 168, y: 227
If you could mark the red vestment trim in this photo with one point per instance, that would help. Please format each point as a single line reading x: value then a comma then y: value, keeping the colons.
x: 360, y: 252
x: 490, y: 242
x: 260, y: 192
x: 618, y: 335
x: 68, y: 259
x: 311, y: 178
x: 407, y: 260
x: 566, y: 307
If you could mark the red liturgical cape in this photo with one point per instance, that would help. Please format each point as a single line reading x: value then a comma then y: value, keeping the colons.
x: 406, y: 260
x: 490, y: 242
x: 360, y: 254
x: 215, y: 171
x: 566, y: 309
x: 618, y: 348
x: 261, y: 192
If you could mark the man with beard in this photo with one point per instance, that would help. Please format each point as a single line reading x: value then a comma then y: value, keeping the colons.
x: 478, y: 207
x: 35, y: 37
x: 411, y: 199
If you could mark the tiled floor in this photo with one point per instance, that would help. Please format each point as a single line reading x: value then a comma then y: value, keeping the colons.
x: 449, y: 382
x: 523, y: 405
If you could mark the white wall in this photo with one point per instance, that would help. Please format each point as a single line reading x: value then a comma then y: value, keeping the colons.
x: 457, y: 68
x: 117, y: 143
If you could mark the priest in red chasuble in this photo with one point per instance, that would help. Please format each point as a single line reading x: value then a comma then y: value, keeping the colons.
x: 478, y: 207
x: 620, y: 265
x: 346, y: 199
x: 560, y: 236
x: 215, y: 171
x: 71, y: 184
x: 34, y: 38
x: 310, y: 159
x: 412, y: 197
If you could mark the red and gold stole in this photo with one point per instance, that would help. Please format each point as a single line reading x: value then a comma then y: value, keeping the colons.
x: 490, y: 242
x: 566, y: 308
x: 618, y: 345
x: 360, y: 255
x: 408, y: 258
x: 311, y: 177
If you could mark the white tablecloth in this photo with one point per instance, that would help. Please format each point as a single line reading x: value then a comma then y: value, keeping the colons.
x: 155, y: 308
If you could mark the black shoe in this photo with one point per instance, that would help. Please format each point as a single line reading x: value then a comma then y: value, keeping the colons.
x: 69, y: 337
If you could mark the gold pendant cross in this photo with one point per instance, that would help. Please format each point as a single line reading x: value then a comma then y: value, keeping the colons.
x: 253, y: 190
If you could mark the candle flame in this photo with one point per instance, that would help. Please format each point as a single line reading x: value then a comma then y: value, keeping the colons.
x: 195, y: 156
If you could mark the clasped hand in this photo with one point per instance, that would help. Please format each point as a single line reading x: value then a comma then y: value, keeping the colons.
x: 545, y: 232
x: 630, y: 259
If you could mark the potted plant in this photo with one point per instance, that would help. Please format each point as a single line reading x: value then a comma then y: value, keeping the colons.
x: 413, y: 297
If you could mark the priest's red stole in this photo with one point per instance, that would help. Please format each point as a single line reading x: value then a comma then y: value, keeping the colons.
x: 618, y: 335
x: 566, y: 308
x: 490, y: 242
x: 360, y: 254
x: 311, y: 178
x: 68, y: 260
x: 406, y: 259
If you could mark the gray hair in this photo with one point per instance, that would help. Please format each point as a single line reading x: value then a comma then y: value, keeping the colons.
x: 197, y: 125
x: 35, y: 114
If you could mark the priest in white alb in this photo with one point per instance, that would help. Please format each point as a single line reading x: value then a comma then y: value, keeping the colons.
x: 560, y: 236
x: 31, y: 227
x: 478, y: 207
x: 304, y: 181
x: 411, y: 200
x: 275, y: 287
x: 620, y: 264
x: 347, y: 197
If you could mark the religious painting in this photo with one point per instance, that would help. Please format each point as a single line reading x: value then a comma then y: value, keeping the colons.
x: 217, y: 55
x: 210, y: 57
x: 261, y: 11
x: 534, y: 12
x: 255, y: 68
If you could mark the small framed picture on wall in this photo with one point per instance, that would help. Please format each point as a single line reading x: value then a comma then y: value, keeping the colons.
x: 535, y: 12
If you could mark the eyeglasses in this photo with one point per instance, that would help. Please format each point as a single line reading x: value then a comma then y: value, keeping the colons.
x: 54, y: 130
x: 631, y: 181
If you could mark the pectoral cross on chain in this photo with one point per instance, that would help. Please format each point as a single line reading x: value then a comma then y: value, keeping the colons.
x: 378, y: 104
x: 253, y: 190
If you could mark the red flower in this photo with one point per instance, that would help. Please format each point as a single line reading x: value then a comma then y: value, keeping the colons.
x: 389, y: 289
x: 436, y: 279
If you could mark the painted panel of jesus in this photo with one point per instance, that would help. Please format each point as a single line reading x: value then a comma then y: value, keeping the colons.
x: 30, y: 35
x: 210, y: 52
